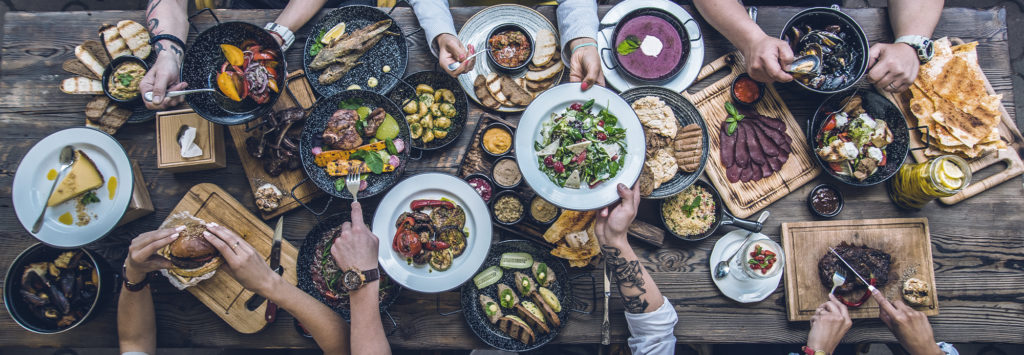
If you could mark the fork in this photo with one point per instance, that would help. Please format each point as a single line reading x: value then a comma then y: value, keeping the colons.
x: 352, y: 184
x: 838, y: 279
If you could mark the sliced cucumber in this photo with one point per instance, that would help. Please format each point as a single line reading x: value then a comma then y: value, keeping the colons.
x: 487, y: 277
x: 516, y: 260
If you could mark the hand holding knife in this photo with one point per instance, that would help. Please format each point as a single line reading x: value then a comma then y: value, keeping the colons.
x: 275, y: 264
x: 870, y: 286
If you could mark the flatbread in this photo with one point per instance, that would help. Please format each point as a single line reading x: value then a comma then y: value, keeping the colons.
x: 655, y: 115
x: 569, y: 221
x: 545, y: 46
x: 663, y: 166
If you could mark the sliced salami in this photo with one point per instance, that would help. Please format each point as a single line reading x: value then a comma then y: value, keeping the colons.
x: 753, y: 144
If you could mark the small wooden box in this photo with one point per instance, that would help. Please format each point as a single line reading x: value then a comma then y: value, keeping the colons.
x: 209, y: 137
x: 140, y: 204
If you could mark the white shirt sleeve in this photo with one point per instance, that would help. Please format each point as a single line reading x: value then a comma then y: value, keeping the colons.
x: 576, y: 18
x: 948, y: 348
x: 133, y: 353
x: 435, y: 18
x: 653, y: 333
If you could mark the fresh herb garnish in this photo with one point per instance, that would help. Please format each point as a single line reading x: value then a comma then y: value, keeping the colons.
x: 371, y: 159
x: 339, y: 185
x: 350, y: 104
x: 90, y: 197
x: 734, y: 117
x: 125, y: 79
x: 317, y: 46
x: 629, y: 45
x: 692, y: 206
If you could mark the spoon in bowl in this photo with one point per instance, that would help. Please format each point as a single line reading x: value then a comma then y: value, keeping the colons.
x: 456, y: 65
x: 149, y: 95
x: 722, y: 268
x: 67, y: 157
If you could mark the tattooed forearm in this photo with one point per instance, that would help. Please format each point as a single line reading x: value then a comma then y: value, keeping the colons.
x: 629, y: 276
x: 152, y: 6
x: 159, y: 47
x: 154, y: 23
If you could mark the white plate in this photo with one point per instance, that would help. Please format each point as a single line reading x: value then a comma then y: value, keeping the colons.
x: 747, y: 291
x: 475, y: 32
x: 694, y: 60
x: 31, y: 187
x: 555, y: 100
x: 421, y: 278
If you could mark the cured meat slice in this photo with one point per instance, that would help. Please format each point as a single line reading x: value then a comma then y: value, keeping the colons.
x: 775, y: 124
x: 767, y: 145
x: 776, y: 162
x: 766, y: 169
x: 733, y: 173
x: 747, y: 173
x: 728, y: 146
x: 741, y: 154
x: 779, y: 138
x: 753, y: 145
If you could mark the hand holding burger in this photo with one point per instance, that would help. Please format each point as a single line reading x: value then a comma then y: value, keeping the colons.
x: 190, y: 253
x: 142, y: 253
x: 244, y: 263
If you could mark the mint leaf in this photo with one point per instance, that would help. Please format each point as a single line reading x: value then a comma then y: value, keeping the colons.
x: 628, y: 46
x: 350, y: 104
x: 734, y: 117
x: 90, y: 197
x: 371, y: 159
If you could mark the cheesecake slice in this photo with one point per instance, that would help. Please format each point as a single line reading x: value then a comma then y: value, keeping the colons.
x: 82, y: 178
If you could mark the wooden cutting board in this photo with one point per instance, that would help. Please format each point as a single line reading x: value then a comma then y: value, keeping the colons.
x: 1012, y: 164
x: 298, y: 94
x: 746, y: 198
x: 906, y: 239
x: 221, y: 293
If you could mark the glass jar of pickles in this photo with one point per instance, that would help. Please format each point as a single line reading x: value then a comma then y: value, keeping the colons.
x: 917, y: 184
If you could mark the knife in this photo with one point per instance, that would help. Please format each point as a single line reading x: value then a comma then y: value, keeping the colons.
x: 605, y: 325
x: 275, y: 264
x: 870, y: 288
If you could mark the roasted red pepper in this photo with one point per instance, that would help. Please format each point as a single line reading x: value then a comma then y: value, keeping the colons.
x: 863, y: 298
x: 416, y: 205
x: 435, y: 245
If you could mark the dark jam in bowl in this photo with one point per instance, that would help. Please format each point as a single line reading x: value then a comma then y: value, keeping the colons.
x: 648, y: 67
x: 481, y: 186
x: 826, y: 201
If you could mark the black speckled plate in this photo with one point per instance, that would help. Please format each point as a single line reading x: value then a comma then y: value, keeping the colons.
x: 314, y: 242
x: 878, y: 107
x: 477, y: 320
x: 686, y: 114
x: 202, y: 64
x: 436, y: 80
x: 391, y: 51
x: 316, y: 121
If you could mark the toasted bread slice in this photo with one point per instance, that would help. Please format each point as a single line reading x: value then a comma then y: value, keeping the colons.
x: 96, y: 107
x: 113, y: 42
x: 75, y: 66
x: 546, y: 74
x: 136, y: 37
x: 549, y: 313
x: 546, y: 45
x: 533, y: 316
x: 514, y: 92
x: 555, y: 58
x: 113, y: 118
x: 539, y: 86
x: 96, y: 49
x: 494, y: 87
x: 81, y: 85
x: 482, y: 94
x: 516, y: 328
x: 90, y: 61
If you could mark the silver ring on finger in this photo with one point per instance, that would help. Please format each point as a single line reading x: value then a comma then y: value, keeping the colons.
x: 235, y: 246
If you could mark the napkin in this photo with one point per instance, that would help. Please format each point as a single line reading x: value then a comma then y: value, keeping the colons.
x: 187, y: 141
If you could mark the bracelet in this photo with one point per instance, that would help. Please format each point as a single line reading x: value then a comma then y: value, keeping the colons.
x: 133, y: 286
x: 168, y: 37
x: 578, y: 46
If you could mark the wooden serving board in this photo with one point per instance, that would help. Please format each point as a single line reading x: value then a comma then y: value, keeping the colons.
x: 298, y: 94
x: 477, y: 161
x: 906, y: 239
x: 746, y: 198
x: 1013, y: 165
x: 221, y: 293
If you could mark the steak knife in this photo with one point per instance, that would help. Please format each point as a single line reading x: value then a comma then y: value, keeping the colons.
x: 870, y: 287
x: 275, y: 264
x: 606, y: 325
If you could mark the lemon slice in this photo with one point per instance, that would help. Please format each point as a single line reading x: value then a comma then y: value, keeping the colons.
x: 950, y: 182
x: 951, y: 170
x: 335, y: 31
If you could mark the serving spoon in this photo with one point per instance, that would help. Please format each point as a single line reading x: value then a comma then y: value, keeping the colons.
x: 148, y: 96
x: 67, y: 157
x: 455, y: 65
x: 722, y: 268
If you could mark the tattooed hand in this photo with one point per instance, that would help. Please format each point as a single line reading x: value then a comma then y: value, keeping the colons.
x: 613, y: 222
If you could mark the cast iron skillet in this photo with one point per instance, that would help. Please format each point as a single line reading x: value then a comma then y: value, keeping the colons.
x: 686, y: 114
x: 436, y: 80
x: 307, y: 253
x: 477, y: 320
x: 391, y: 51
x: 877, y: 107
x: 683, y: 35
x: 202, y: 64
x: 818, y: 18
x: 316, y: 122
x: 722, y: 217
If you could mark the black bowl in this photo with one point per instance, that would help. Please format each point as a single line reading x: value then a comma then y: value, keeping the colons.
x: 391, y: 51
x: 490, y: 53
x: 529, y: 212
x: 316, y: 122
x: 436, y: 80
x: 19, y: 309
x: 722, y: 217
x: 879, y: 108
x: 203, y: 61
x: 672, y: 20
x: 839, y: 196
x: 494, y: 188
x: 500, y: 126
x: 819, y: 18
x: 510, y: 158
x: 116, y: 62
x: 732, y: 90
x: 513, y: 193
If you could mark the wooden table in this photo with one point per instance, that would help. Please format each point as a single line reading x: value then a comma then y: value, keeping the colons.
x: 978, y: 244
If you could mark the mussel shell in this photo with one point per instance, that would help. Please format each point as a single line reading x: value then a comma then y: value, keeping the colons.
x: 806, y: 65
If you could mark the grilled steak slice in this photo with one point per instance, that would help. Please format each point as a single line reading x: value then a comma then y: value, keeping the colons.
x: 867, y: 261
x: 340, y: 132
x: 373, y: 121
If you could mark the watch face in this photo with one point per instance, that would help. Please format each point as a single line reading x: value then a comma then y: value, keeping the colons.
x: 929, y: 48
x: 351, y: 280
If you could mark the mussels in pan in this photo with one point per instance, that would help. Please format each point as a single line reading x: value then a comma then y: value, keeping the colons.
x: 60, y: 291
x: 826, y: 57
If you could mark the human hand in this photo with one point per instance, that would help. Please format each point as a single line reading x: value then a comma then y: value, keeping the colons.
x: 893, y: 66
x: 161, y: 78
x: 829, y: 324
x: 450, y: 50
x: 585, y: 64
x: 244, y: 263
x: 765, y: 57
x: 909, y: 326
x: 613, y: 222
x: 142, y: 257
x: 356, y: 248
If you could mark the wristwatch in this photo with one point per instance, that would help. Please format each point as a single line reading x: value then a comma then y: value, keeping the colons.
x: 921, y: 44
x: 286, y: 34
x: 354, y: 279
x: 808, y: 351
x: 134, y: 286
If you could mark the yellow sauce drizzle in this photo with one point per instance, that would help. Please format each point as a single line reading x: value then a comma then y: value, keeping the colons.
x: 66, y: 218
x: 51, y: 175
x: 112, y: 187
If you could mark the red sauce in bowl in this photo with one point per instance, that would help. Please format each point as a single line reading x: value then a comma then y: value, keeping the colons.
x: 746, y: 89
x: 510, y: 48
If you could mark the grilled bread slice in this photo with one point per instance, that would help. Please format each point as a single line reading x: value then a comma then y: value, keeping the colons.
x: 516, y: 328
x: 96, y: 107
x: 494, y: 87
x: 113, y: 42
x: 81, y: 85
x: 75, y: 66
x: 514, y: 92
x: 549, y: 313
x: 546, y: 74
x: 136, y: 37
x: 546, y: 45
x: 533, y: 316
x: 484, y: 95
x: 113, y: 118
x: 91, y: 61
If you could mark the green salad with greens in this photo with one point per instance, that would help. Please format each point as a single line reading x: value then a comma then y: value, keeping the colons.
x: 579, y: 146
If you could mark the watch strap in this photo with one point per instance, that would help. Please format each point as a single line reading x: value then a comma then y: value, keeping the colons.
x: 808, y: 351
x: 286, y: 34
x: 371, y: 275
x: 134, y: 286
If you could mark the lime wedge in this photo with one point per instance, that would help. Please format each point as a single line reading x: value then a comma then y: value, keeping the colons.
x: 335, y: 32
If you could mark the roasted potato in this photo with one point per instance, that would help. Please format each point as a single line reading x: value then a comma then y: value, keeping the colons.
x: 428, y: 136
x: 427, y: 99
x: 439, y: 134
x: 411, y: 107
x: 413, y: 118
x: 442, y: 122
x: 427, y: 122
x: 423, y: 109
x: 435, y: 110
x: 415, y: 130
x: 448, y: 109
x: 444, y: 95
x: 424, y: 89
